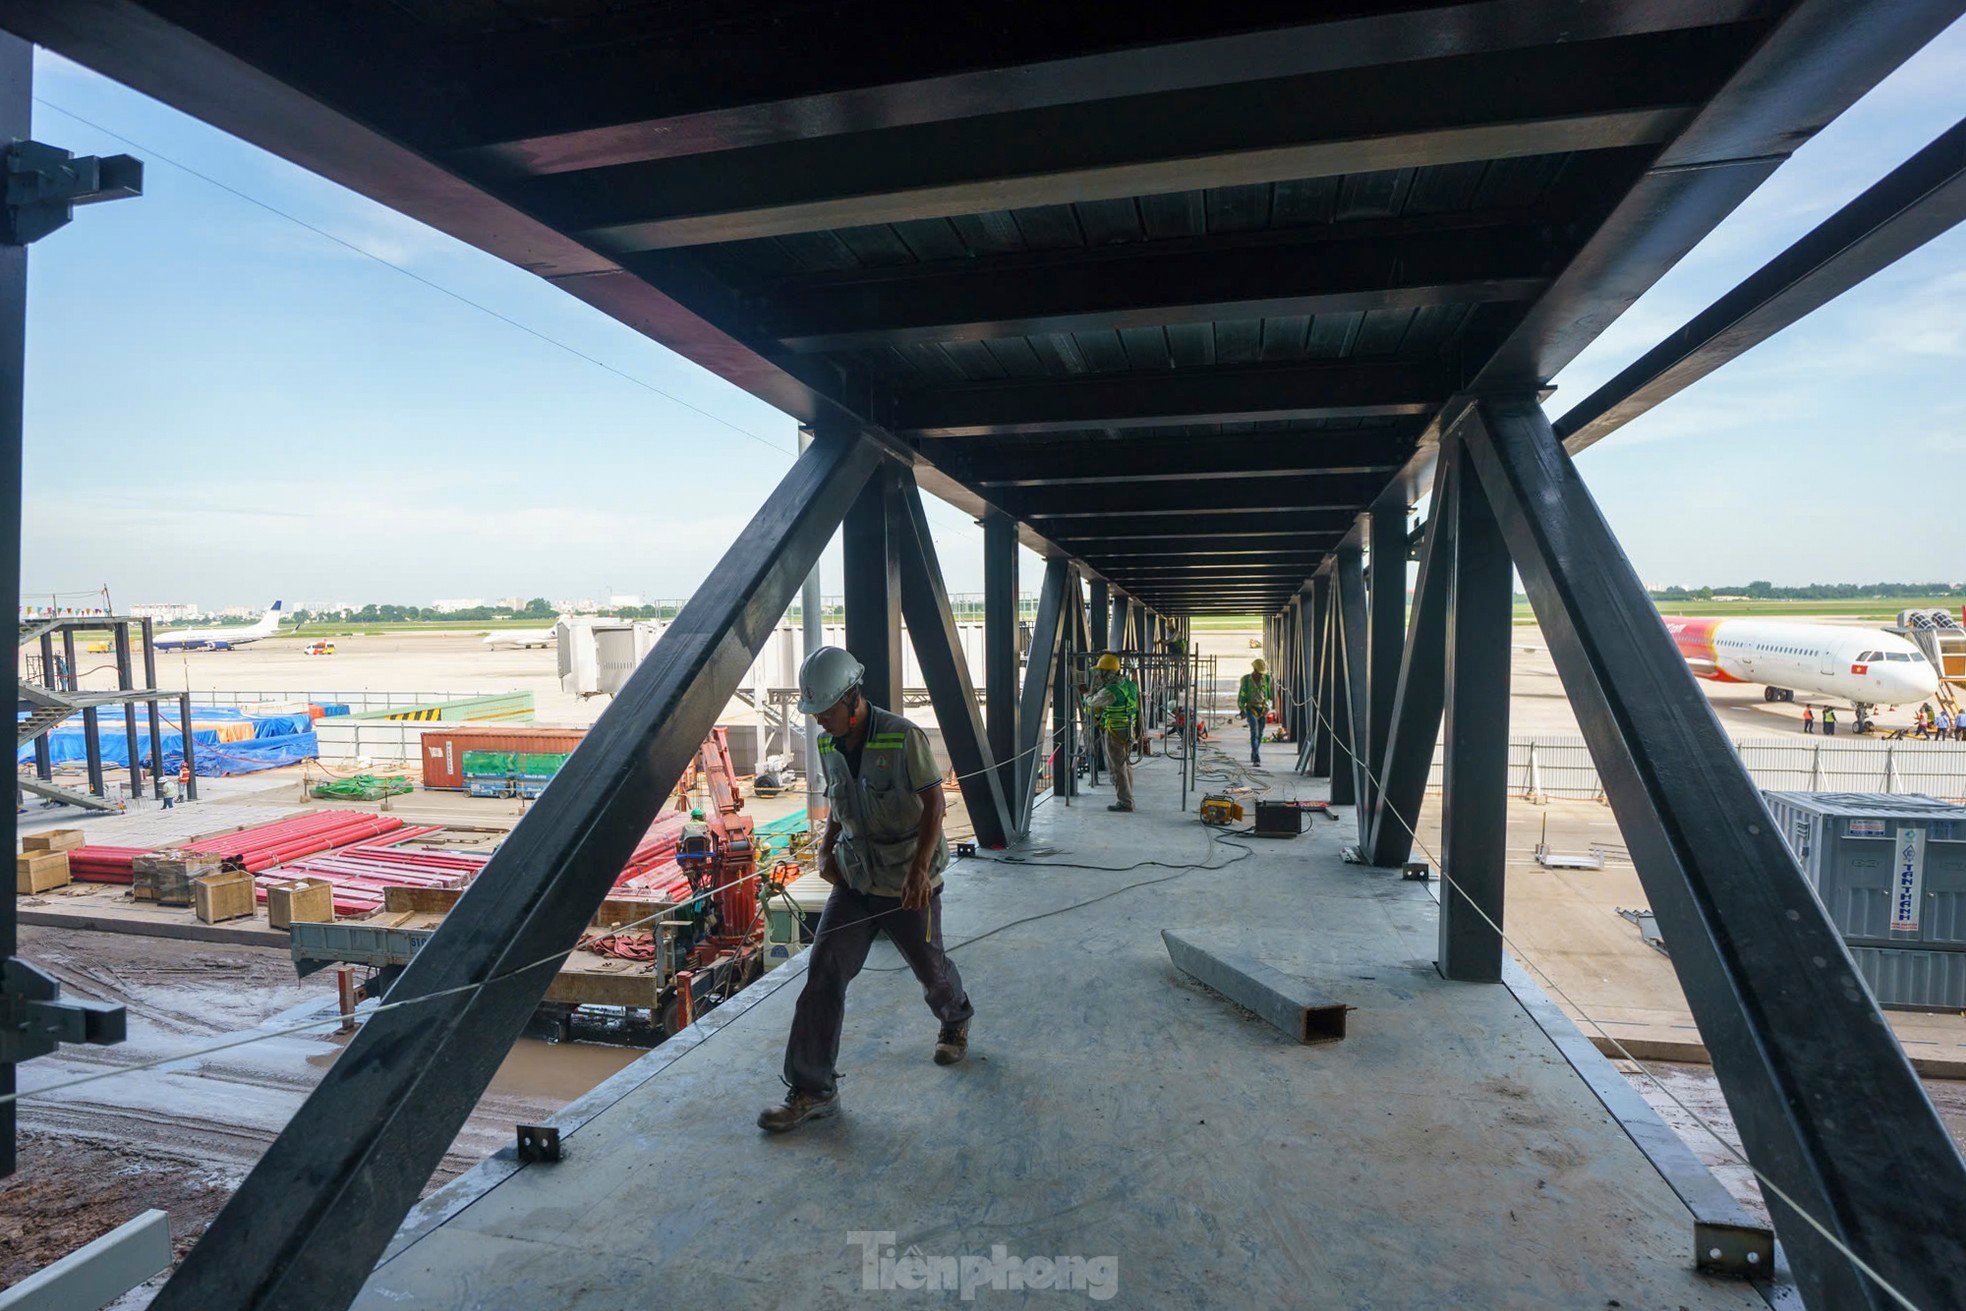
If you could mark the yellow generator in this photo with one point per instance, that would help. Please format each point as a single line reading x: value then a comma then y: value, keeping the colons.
x: 1219, y: 809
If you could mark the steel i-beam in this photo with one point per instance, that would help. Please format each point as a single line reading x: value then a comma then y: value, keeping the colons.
x: 1418, y: 698
x: 1826, y: 1102
x: 1474, y: 808
x: 305, y: 1228
x: 932, y: 629
x: 1032, y: 746
x: 1000, y: 645
x: 873, y: 589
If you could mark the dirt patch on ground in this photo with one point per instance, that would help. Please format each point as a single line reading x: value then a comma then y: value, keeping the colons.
x: 66, y: 1194
x: 181, y: 1135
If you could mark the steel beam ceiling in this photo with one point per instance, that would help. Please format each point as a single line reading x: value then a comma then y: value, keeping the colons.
x: 1135, y: 400
x: 1589, y: 96
x: 585, y: 93
x: 1143, y: 285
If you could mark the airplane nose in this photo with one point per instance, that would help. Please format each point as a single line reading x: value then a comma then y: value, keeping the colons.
x: 1916, y: 683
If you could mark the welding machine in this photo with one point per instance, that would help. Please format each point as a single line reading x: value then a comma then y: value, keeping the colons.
x: 1220, y: 810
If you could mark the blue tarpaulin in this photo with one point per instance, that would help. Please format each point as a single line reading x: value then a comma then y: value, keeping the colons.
x: 277, y: 740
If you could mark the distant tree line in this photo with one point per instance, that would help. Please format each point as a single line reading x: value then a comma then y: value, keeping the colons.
x: 1763, y: 590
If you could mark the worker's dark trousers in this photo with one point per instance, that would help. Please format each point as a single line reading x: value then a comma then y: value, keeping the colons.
x: 839, y: 948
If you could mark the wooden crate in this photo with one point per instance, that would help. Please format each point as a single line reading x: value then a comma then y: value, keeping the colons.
x: 307, y: 901
x: 165, y: 876
x: 227, y: 895
x: 55, y: 839
x: 39, y: 871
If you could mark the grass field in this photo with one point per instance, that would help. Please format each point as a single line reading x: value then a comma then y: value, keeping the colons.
x: 1875, y: 609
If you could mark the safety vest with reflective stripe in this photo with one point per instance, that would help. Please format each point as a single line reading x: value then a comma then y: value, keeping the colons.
x: 1124, y: 708
x: 879, y: 813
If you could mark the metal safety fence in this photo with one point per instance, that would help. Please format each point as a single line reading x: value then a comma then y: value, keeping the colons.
x: 1561, y: 767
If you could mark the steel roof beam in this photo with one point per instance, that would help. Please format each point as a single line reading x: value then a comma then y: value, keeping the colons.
x: 1109, y: 560
x: 1144, y: 285
x: 1121, y: 458
x: 1120, y: 502
x: 1821, y: 57
x: 1590, y: 96
x: 1917, y: 201
x: 586, y: 93
x: 1316, y: 390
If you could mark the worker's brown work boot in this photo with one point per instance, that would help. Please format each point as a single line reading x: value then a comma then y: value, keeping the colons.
x: 799, y: 1106
x: 952, y: 1044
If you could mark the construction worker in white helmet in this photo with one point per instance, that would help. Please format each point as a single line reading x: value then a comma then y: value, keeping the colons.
x: 1253, y: 695
x: 884, y: 855
x: 1115, y: 701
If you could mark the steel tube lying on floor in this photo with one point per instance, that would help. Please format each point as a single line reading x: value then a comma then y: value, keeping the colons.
x: 1290, y: 1004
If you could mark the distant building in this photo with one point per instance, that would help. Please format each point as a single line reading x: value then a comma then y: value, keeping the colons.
x: 168, y: 612
x: 326, y: 607
x: 625, y: 600
x: 459, y: 603
x: 236, y: 612
x: 581, y: 607
x: 510, y: 603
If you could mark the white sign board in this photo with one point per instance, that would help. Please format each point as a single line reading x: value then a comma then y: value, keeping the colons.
x: 1907, y: 880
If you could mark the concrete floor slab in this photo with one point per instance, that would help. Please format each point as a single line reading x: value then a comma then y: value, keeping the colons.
x: 1443, y: 1154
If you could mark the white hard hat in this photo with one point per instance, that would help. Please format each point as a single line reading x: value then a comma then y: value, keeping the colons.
x: 827, y: 675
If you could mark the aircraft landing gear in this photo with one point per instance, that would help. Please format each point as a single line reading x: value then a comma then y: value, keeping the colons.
x: 1864, y: 724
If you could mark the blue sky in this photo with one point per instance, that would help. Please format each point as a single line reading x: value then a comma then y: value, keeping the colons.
x: 223, y: 406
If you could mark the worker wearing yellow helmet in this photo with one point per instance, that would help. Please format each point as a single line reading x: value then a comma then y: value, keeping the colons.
x: 1253, y: 697
x: 1115, y: 702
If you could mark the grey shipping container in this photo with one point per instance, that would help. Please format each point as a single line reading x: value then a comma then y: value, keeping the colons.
x: 1891, y: 871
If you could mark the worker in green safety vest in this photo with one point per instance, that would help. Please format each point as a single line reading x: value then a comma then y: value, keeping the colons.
x: 1115, y: 702
x: 1253, y: 695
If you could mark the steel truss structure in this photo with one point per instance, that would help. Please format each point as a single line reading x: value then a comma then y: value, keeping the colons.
x: 1198, y: 304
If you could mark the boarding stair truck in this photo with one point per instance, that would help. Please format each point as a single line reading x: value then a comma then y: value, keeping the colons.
x: 1939, y: 635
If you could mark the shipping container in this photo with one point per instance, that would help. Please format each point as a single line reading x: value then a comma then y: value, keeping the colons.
x: 444, y: 748
x: 1890, y: 868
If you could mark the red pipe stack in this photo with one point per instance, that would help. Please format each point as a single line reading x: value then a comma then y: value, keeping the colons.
x: 266, y: 845
x: 104, y: 864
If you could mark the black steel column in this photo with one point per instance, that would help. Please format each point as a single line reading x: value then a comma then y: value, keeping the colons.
x: 939, y: 648
x: 1324, y: 615
x: 1000, y: 649
x: 1101, y: 617
x: 16, y: 112
x: 1418, y: 700
x: 1827, y: 1104
x: 1064, y: 699
x: 188, y: 747
x: 873, y: 591
x: 1386, y: 620
x: 1348, y: 786
x: 1034, y: 745
x: 44, y: 765
x: 306, y: 1226
x: 1474, y: 808
x: 91, y: 731
x: 1120, y: 637
x: 126, y: 681
x: 1296, y: 706
x: 156, y: 726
